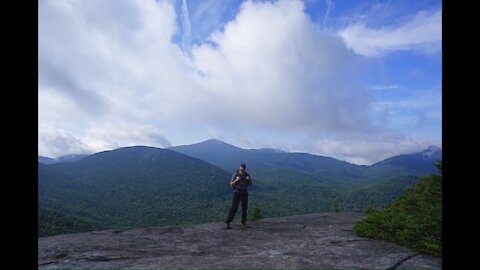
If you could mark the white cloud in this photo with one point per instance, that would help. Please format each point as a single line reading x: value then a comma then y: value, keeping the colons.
x: 54, y: 106
x: 111, y: 76
x: 55, y: 142
x: 423, y: 33
x: 103, y: 61
x: 117, y: 134
x: 272, y: 68
x: 369, y: 150
x: 271, y: 58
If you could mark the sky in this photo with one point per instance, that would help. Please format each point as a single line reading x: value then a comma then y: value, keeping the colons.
x: 359, y: 81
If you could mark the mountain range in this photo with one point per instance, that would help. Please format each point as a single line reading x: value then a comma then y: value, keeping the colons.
x: 228, y: 157
x: 144, y: 186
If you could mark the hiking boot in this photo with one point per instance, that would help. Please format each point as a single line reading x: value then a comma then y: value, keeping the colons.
x: 244, y: 226
x: 228, y: 227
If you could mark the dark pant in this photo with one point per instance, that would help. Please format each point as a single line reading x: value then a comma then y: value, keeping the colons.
x: 237, y: 198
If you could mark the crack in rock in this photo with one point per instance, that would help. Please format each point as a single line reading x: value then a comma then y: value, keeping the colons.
x: 105, y: 259
x: 396, y: 265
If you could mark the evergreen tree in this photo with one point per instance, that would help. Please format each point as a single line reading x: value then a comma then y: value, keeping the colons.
x: 413, y: 220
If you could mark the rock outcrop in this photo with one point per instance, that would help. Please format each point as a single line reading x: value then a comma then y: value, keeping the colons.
x: 323, y: 240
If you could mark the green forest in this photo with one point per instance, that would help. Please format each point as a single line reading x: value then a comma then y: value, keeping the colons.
x: 146, y: 187
x: 413, y: 220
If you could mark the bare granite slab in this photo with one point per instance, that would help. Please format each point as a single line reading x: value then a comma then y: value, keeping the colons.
x: 321, y: 240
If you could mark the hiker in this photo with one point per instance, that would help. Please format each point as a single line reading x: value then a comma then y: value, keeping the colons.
x: 239, y: 183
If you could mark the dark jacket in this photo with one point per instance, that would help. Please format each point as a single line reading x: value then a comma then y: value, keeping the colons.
x: 242, y: 185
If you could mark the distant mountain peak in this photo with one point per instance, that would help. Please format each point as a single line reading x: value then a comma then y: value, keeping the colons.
x: 212, y: 144
x: 215, y: 141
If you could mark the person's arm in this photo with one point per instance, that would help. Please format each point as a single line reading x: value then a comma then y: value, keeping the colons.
x: 234, y: 180
x: 249, y: 180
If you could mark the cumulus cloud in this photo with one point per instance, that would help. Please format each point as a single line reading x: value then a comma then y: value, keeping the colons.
x: 423, y: 33
x: 103, y: 61
x: 111, y: 76
x: 127, y: 67
x: 293, y: 79
x: 55, y: 142
x: 121, y: 133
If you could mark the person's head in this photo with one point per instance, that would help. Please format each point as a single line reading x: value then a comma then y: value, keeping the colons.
x: 242, y: 167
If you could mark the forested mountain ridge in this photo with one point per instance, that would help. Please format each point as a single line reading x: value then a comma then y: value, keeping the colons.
x: 228, y: 157
x: 134, y: 187
x: 420, y: 163
x: 147, y: 186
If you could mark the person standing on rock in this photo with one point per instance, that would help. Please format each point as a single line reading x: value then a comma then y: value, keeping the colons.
x: 240, y: 182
